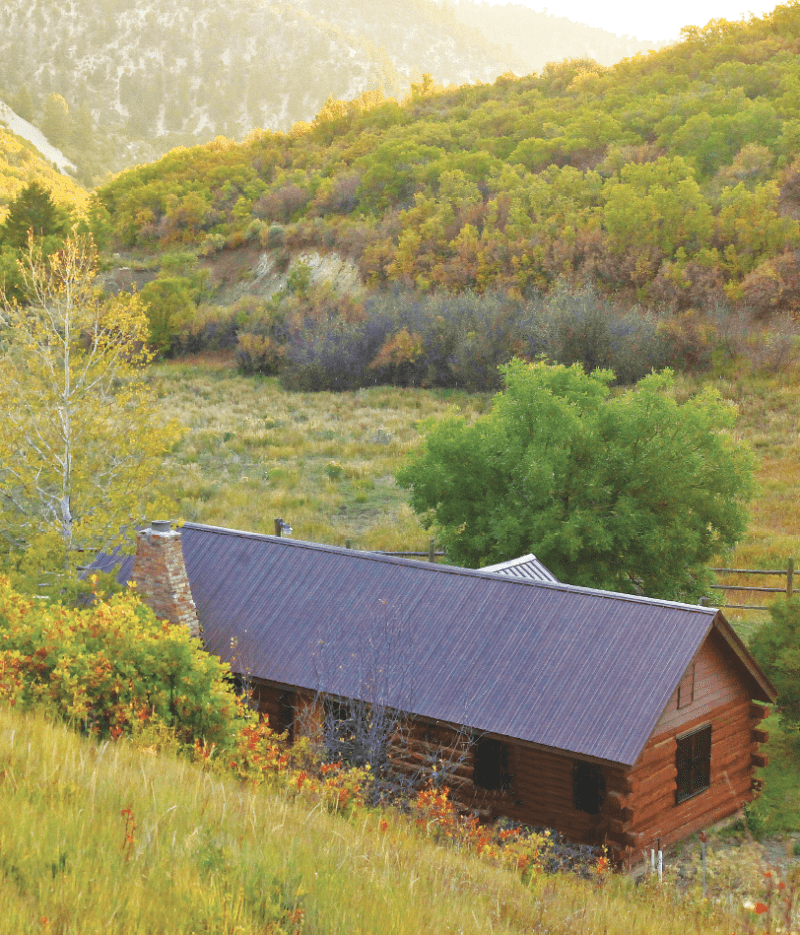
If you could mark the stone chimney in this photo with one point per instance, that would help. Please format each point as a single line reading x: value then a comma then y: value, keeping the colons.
x: 160, y: 575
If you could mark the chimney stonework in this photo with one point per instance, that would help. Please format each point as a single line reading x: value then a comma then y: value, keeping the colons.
x: 160, y: 576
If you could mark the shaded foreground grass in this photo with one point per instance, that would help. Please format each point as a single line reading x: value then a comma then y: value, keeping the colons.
x: 108, y: 838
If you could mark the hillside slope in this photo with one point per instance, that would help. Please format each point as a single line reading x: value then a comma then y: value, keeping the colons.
x: 672, y: 179
x: 110, y: 838
x: 22, y: 163
x: 155, y: 75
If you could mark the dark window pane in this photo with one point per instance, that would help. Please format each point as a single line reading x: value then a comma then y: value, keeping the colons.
x: 693, y: 761
x: 490, y: 759
x: 588, y: 787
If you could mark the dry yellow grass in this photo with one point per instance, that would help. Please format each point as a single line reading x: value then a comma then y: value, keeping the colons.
x: 111, y: 839
x: 253, y: 452
x: 769, y: 420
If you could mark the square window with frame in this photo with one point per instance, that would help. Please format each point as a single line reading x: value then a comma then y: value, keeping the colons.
x: 693, y: 761
x: 491, y: 765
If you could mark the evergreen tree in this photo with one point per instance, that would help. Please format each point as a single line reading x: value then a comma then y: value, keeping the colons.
x: 34, y: 211
x: 56, y: 121
x: 22, y: 103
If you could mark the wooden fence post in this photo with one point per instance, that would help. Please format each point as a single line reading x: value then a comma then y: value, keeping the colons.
x: 431, y: 550
x: 789, y: 577
x: 278, y: 524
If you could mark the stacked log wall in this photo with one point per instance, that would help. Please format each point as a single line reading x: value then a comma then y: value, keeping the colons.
x: 722, y: 700
x: 640, y: 804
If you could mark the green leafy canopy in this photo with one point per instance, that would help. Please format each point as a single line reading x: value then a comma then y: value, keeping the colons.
x: 629, y: 492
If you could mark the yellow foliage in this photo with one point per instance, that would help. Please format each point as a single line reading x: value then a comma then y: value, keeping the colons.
x: 21, y: 164
x: 403, y: 347
x: 83, y: 441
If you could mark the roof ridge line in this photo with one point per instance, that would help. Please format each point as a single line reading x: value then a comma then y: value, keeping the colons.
x: 454, y: 569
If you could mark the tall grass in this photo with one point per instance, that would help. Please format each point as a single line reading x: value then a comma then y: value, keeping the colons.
x: 110, y: 839
x: 253, y: 452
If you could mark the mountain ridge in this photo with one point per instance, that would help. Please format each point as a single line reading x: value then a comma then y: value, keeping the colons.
x: 154, y: 76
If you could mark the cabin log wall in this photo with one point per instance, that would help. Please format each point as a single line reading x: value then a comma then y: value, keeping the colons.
x: 723, y: 701
x: 640, y: 803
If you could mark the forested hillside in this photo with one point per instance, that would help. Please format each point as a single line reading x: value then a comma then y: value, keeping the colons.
x: 117, y: 82
x: 671, y: 178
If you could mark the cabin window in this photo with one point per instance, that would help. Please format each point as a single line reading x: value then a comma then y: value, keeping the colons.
x: 490, y: 769
x: 693, y: 760
x: 588, y: 787
x: 686, y: 688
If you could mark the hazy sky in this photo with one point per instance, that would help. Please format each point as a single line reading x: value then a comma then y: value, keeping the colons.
x: 646, y: 19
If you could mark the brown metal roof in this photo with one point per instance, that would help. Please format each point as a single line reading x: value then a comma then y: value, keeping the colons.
x: 571, y: 668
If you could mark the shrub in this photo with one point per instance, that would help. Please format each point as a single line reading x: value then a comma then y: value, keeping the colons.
x: 113, y: 667
x: 580, y: 326
x: 320, y: 340
x: 212, y: 328
x: 333, y: 354
x: 282, y: 205
x: 211, y: 244
x: 170, y: 305
x: 261, y: 335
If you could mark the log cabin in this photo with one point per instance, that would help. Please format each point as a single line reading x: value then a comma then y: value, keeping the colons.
x: 612, y: 718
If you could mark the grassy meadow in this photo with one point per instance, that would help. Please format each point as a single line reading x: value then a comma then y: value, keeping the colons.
x: 324, y: 462
x: 112, y: 838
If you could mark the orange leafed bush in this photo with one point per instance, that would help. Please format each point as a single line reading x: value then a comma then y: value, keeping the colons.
x: 112, y: 668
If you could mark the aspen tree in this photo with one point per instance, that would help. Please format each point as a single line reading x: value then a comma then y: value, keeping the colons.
x: 83, y: 438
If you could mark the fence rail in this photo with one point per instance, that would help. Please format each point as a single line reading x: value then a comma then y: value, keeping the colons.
x: 432, y: 554
x: 787, y: 573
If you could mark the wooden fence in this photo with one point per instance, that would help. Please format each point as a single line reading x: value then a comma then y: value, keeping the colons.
x: 432, y: 554
x: 788, y: 589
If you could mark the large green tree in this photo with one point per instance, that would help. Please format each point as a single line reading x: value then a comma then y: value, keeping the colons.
x: 632, y: 491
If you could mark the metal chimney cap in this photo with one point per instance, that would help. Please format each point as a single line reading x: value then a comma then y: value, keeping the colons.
x: 161, y: 525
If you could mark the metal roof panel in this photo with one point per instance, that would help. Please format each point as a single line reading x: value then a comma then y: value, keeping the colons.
x: 577, y: 669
